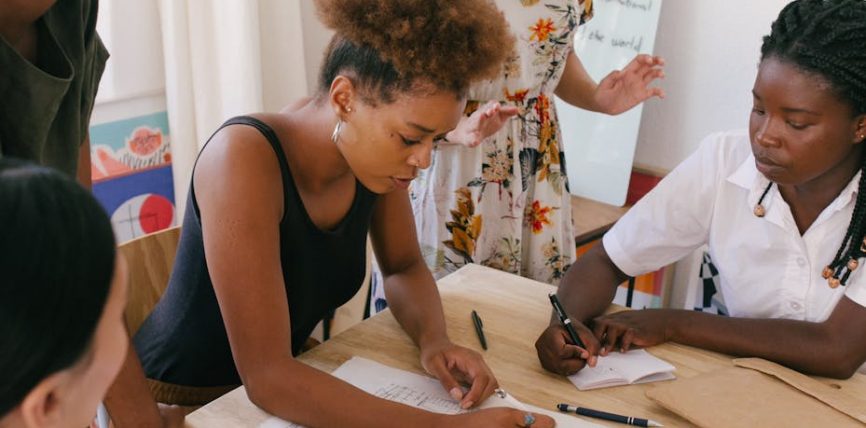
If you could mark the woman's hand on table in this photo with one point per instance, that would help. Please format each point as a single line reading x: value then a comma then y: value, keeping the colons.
x: 633, y: 329
x: 455, y: 365
x: 558, y: 355
x: 497, y: 417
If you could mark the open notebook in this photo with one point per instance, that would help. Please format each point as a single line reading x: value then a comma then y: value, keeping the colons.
x: 635, y: 366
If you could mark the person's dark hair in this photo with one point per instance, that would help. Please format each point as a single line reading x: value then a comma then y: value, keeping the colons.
x: 828, y: 38
x: 57, y: 260
x: 391, y: 46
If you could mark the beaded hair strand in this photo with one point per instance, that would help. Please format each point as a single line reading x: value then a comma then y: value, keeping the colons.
x: 827, y: 37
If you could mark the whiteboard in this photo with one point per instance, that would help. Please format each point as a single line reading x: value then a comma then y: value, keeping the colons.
x: 599, y: 149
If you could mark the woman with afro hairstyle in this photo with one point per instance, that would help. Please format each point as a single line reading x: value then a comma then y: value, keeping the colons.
x: 781, y: 206
x: 279, y: 210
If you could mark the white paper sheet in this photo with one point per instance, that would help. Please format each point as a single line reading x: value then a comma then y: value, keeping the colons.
x: 419, y: 391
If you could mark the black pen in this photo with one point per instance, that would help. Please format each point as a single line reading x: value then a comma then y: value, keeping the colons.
x: 478, y: 324
x: 628, y: 420
x: 566, y: 322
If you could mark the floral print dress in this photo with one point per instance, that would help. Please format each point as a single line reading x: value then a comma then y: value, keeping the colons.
x: 505, y: 203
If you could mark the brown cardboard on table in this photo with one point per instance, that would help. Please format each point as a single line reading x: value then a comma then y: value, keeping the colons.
x: 760, y: 393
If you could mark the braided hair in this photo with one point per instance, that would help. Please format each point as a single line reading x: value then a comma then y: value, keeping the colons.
x: 828, y: 38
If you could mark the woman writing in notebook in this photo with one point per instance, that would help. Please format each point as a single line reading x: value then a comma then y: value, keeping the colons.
x: 781, y: 207
x: 279, y: 211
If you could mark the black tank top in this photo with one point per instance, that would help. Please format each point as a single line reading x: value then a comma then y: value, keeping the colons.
x: 184, y: 341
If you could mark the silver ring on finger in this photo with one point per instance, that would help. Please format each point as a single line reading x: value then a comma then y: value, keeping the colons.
x: 528, y: 420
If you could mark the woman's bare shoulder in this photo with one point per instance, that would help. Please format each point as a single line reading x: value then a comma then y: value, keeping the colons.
x: 238, y: 164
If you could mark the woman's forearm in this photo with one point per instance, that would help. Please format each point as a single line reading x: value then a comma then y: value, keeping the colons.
x: 576, y: 86
x: 589, y: 286
x: 129, y: 401
x: 415, y: 302
x: 802, y: 345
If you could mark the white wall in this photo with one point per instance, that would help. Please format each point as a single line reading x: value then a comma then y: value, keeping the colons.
x: 284, y: 75
x: 133, y: 83
x: 131, y: 33
x: 712, y: 49
x: 316, y: 39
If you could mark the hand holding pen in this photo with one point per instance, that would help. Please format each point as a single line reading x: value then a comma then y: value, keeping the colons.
x: 561, y: 349
x: 565, y: 320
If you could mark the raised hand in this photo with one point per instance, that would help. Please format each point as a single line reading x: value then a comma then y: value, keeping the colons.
x: 482, y: 123
x: 623, y: 89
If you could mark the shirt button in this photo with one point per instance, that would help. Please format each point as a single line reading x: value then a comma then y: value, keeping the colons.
x: 801, y: 261
x: 796, y: 306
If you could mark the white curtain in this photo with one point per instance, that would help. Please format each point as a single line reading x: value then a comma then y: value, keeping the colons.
x: 225, y: 58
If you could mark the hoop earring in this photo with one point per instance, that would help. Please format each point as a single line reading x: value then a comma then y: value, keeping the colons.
x: 335, y: 136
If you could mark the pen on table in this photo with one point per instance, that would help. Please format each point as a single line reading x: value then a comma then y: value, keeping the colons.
x: 628, y: 420
x: 478, y: 324
x: 566, y: 322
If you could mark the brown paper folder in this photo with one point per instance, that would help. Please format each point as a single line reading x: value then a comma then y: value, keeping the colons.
x: 760, y: 393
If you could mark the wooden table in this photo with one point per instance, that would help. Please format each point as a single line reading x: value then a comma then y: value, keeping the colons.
x: 592, y: 219
x: 515, y: 310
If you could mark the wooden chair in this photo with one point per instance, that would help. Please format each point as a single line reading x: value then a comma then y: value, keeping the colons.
x: 150, y: 259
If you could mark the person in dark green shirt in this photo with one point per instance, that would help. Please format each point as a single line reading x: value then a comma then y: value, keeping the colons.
x: 51, y: 60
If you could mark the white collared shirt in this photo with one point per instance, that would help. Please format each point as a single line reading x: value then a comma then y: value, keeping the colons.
x: 766, y: 268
